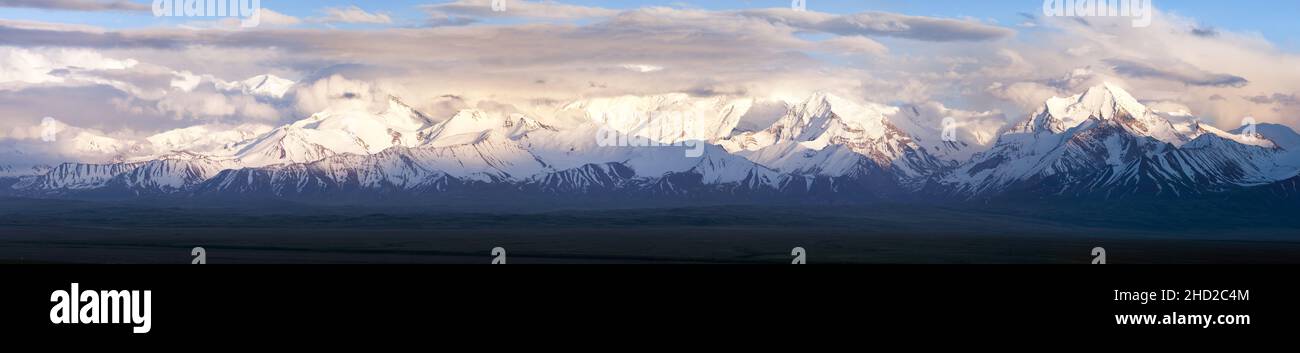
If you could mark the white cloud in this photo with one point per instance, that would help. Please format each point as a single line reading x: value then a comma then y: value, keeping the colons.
x: 186, y: 81
x: 338, y: 93
x: 1175, y: 61
x: 353, y: 14
x: 272, y: 18
x: 37, y: 66
x: 207, y: 105
x: 855, y: 45
x: 642, y: 68
x: 885, y: 24
x: 1028, y: 96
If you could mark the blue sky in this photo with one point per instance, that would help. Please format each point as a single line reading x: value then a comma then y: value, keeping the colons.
x: 1276, y: 20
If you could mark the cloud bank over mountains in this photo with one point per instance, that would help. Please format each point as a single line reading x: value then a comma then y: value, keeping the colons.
x: 539, y: 55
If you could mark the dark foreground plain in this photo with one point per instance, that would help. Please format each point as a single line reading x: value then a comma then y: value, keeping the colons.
x: 57, y: 231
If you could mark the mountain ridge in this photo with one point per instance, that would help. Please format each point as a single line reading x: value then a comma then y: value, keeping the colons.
x: 1102, y: 143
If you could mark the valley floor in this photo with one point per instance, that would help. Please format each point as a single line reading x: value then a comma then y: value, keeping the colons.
x: 45, y: 231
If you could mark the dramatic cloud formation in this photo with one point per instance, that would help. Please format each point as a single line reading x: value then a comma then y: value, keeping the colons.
x: 539, y: 55
x: 1180, y: 73
x: 885, y: 24
x: 1276, y: 98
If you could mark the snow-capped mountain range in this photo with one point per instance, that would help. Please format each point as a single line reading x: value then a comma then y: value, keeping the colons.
x: 1103, y: 142
x: 1100, y: 143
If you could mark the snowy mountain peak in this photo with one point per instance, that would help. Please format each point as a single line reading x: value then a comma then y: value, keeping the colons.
x: 828, y: 135
x: 1106, y: 103
x: 820, y: 120
x: 1256, y: 139
x: 267, y: 85
x: 403, y: 117
x: 820, y: 98
x: 528, y: 123
x: 823, y: 118
x: 465, y: 122
x: 1280, y: 135
x: 491, y: 137
x: 1109, y: 94
x: 206, y: 139
x: 336, y: 131
x: 1104, y: 142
